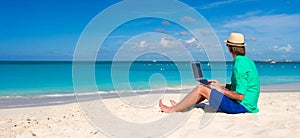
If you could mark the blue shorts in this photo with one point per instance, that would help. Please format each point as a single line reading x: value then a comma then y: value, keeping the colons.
x: 224, y: 104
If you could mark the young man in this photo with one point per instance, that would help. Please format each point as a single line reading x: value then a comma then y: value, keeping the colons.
x: 240, y: 96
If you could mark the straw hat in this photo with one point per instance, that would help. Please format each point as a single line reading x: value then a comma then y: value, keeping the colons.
x: 235, y: 39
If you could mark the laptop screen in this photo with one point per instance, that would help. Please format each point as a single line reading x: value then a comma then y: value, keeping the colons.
x: 197, y: 70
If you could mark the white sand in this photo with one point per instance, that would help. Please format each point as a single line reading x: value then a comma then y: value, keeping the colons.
x: 279, y: 116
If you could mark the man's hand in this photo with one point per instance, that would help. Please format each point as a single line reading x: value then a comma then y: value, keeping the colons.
x: 214, y: 84
x: 217, y: 83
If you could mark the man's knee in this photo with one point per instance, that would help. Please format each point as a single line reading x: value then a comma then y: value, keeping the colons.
x: 204, y: 91
x: 199, y: 88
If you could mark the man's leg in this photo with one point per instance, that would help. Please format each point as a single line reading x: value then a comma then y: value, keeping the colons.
x: 199, y: 93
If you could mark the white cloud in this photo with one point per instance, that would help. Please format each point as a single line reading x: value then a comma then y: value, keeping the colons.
x: 223, y: 2
x: 250, y: 38
x: 194, y: 43
x: 217, y: 4
x: 286, y: 48
x: 168, y: 42
x: 118, y: 36
x: 166, y: 23
x: 164, y: 41
x: 143, y: 43
x: 192, y: 40
x: 161, y: 30
x: 268, y: 23
x: 248, y: 14
x: 188, y: 19
x: 183, y: 33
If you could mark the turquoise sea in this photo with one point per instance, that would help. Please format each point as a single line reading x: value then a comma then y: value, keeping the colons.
x: 36, y: 78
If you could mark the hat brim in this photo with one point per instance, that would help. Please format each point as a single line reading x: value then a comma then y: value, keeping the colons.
x: 234, y: 44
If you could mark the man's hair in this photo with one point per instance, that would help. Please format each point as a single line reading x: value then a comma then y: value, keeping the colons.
x: 237, y: 50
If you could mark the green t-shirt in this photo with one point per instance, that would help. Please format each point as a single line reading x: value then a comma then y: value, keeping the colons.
x: 245, y: 80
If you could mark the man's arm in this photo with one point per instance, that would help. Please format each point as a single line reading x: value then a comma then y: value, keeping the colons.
x: 233, y: 95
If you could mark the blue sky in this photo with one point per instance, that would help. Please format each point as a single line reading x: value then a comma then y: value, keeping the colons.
x: 50, y: 29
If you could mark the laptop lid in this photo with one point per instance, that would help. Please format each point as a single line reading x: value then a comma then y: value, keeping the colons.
x: 197, y: 70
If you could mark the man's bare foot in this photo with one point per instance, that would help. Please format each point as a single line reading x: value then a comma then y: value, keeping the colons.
x: 165, y: 108
x: 173, y: 103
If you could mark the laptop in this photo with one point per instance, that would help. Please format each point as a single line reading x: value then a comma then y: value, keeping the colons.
x: 198, y: 74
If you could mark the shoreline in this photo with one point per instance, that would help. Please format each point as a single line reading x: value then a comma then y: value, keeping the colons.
x: 58, y: 99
